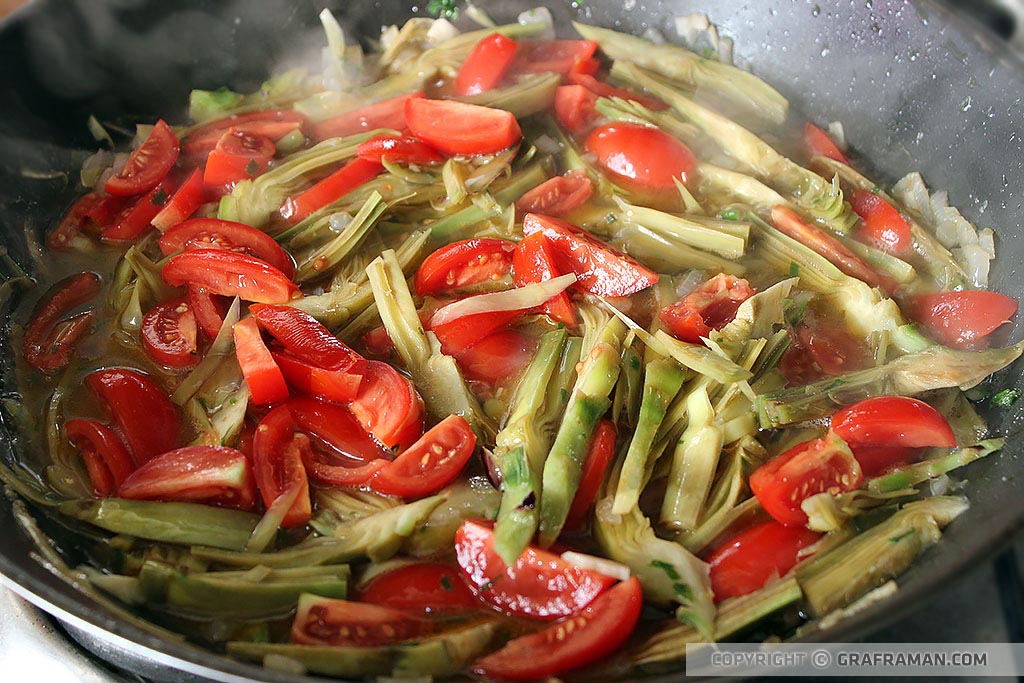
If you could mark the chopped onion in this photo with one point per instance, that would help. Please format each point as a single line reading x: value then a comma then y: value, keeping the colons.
x: 94, y: 166
x: 547, y: 145
x: 99, y: 133
x: 478, y: 15
x: 838, y: 134
x: 939, y: 486
x: 539, y: 15
x: 441, y: 30
x: 654, y: 35
x: 690, y: 282
x: 692, y: 26
x: 516, y: 299
x: 598, y: 564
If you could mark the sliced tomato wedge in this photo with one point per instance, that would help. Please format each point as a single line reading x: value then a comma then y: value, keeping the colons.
x: 398, y: 149
x: 271, y: 123
x: 575, y: 108
x: 599, y: 268
x: 237, y: 156
x: 215, y: 475
x: 591, y: 636
x: 330, y: 189
x: 580, y: 76
x: 498, y: 358
x: 229, y: 273
x: 429, y: 587
x: 963, y: 318
x: 183, y: 203
x: 893, y: 421
x: 486, y: 64
x: 809, y: 468
x: 145, y: 418
x: 305, y: 337
x: 711, y: 306
x: 138, y: 219
x: 883, y: 227
x: 558, y: 56
x: 557, y: 196
x: 209, y: 311
x: 91, y: 210
x: 353, y: 456
x: 48, y: 342
x: 463, y: 264
x: 534, y: 261
x: 343, y: 623
x: 877, y: 460
x: 169, y: 334
x: 106, y: 458
x: 262, y: 376
x: 431, y: 463
x: 388, y: 406
x: 332, y: 385
x: 278, y: 464
x: 214, y: 233
x: 599, y: 457
x: 384, y: 114
x: 540, y: 584
x: 819, y: 143
x: 456, y: 336
x: 750, y: 559
x: 646, y: 160
x: 819, y: 350
x: 148, y: 164
x: 459, y: 128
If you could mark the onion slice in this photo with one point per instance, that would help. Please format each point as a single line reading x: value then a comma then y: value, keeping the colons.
x: 516, y: 299
x: 597, y: 564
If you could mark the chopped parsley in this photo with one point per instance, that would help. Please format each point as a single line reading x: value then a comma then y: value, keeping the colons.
x: 252, y: 168
x: 666, y: 567
x: 449, y: 9
x: 634, y: 362
x: 1006, y: 398
x: 159, y: 198
x: 730, y: 214
x: 794, y: 269
x: 490, y: 584
x: 897, y: 539
x: 682, y: 591
x: 446, y: 583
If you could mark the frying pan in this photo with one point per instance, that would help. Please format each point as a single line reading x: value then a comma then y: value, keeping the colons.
x: 916, y: 88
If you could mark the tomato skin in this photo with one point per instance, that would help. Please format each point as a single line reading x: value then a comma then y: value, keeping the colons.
x: 145, y: 418
x: 355, y: 455
x: 136, y: 220
x: 598, y: 630
x: 457, y: 336
x: 429, y: 587
x: 579, y: 76
x: 540, y: 585
x: 214, y: 233
x: 575, y: 108
x: 820, y: 351
x: 812, y: 467
x: 750, y: 559
x: 229, y: 273
x: 263, y: 377
x: 388, y: 113
x: 558, y: 56
x: 202, y: 474
x: 599, y: 268
x: 89, y: 210
x: 497, y: 358
x: 962, y: 319
x: 557, y: 196
x: 534, y: 261
x: 237, y: 156
x: 458, y: 128
x: 388, y: 406
x: 169, y: 334
x: 304, y: 336
x: 330, y: 189
x: 209, y: 313
x: 463, y: 264
x: 711, y: 306
x: 893, y: 421
x: 398, y: 149
x: 271, y: 123
x: 599, y: 457
x: 332, y: 385
x: 106, y: 458
x: 343, y: 623
x: 644, y: 159
x: 182, y: 204
x: 46, y: 346
x: 486, y: 64
x: 421, y: 470
x: 877, y: 460
x: 818, y: 142
x: 148, y: 164
x: 883, y: 227
x: 278, y: 464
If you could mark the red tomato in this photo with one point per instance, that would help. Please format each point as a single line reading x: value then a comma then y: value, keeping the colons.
x: 819, y: 241
x: 201, y: 474
x: 486, y: 64
x: 148, y: 164
x: 106, y: 459
x: 137, y: 219
x: 237, y: 156
x: 48, y: 342
x: 821, y: 351
x: 818, y: 142
x: 558, y: 56
x: 353, y: 455
x: 263, y: 377
x: 208, y: 311
x: 647, y: 160
x: 877, y: 460
x: 962, y: 318
x: 598, y: 630
x: 497, y: 358
x: 893, y: 421
x: 750, y: 559
x: 463, y: 264
x: 145, y: 417
x: 330, y: 189
x: 557, y: 196
x: 540, y: 584
x: 431, y: 463
x: 332, y: 385
x: 277, y: 464
x: 599, y: 269
x: 214, y: 233
x: 456, y: 336
x: 432, y: 587
x: 534, y: 261
x: 303, y: 336
x: 883, y: 227
x: 711, y: 306
x: 229, y: 273
x: 92, y: 209
x: 384, y: 114
x: 574, y: 107
x: 459, y: 128
x: 169, y: 334
x: 813, y: 467
x: 601, y: 89
x: 342, y: 623
x: 388, y: 406
x: 183, y: 203
x: 398, y: 149
x: 599, y: 456
x: 271, y: 123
